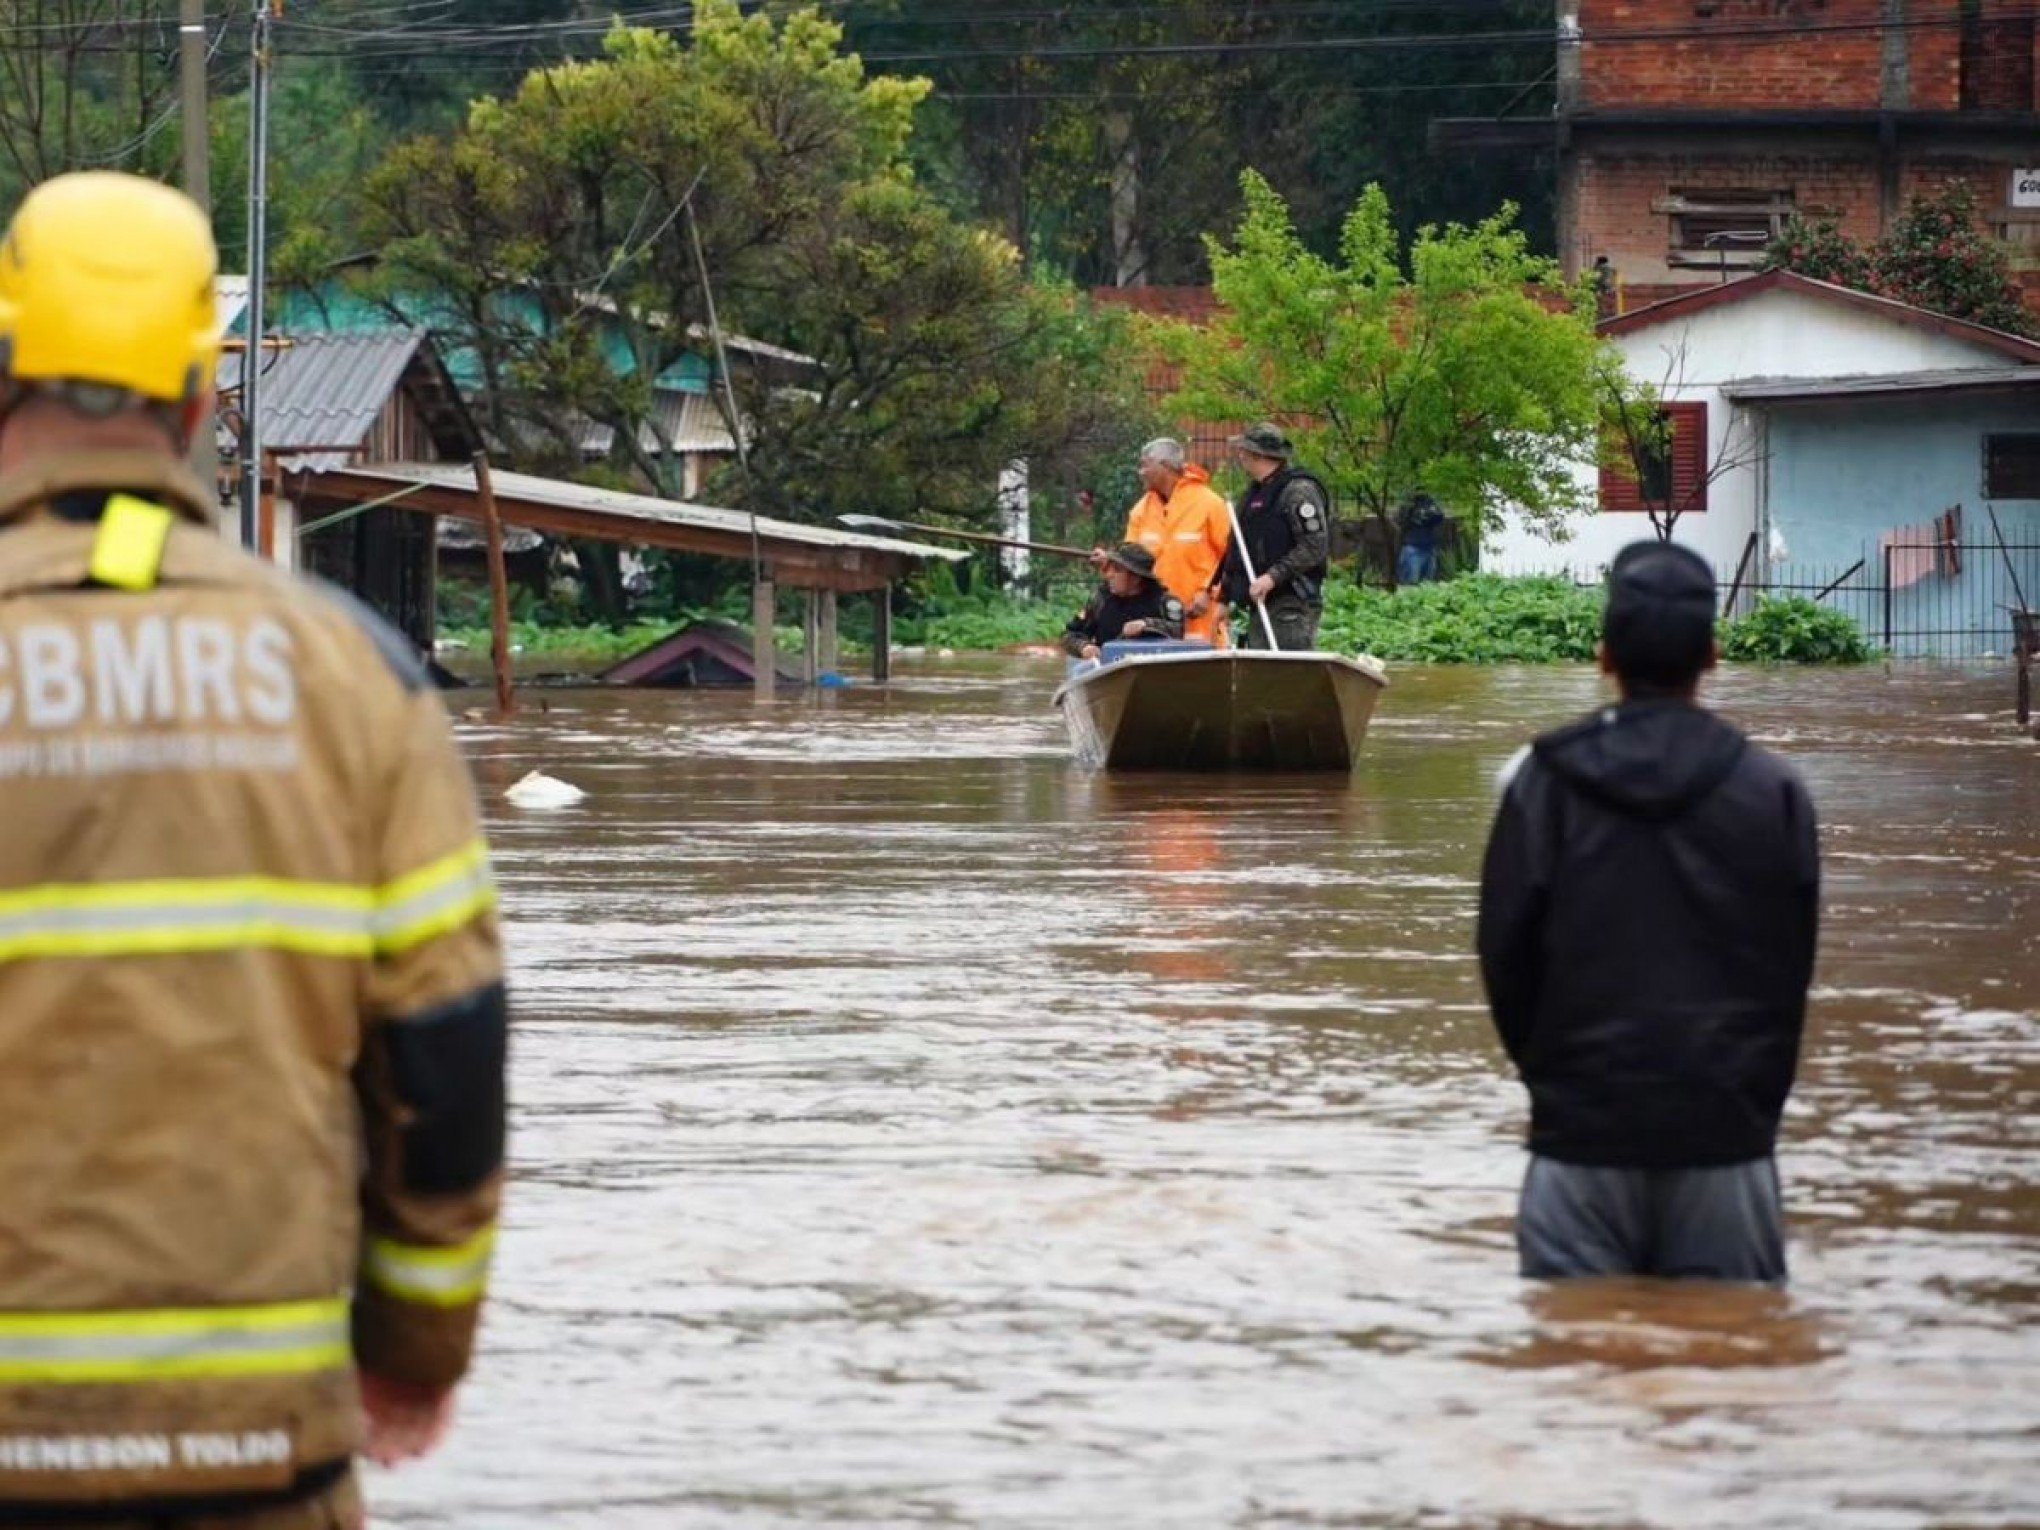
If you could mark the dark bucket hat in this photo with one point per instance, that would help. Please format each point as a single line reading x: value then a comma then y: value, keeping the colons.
x: 1264, y: 440
x: 1134, y: 558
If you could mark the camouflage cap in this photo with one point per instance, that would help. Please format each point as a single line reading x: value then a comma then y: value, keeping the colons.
x: 1264, y: 440
x: 1134, y: 558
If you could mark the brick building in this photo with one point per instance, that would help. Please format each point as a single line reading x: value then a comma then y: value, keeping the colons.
x: 1687, y: 131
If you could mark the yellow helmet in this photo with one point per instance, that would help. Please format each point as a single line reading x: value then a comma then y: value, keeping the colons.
x: 108, y: 279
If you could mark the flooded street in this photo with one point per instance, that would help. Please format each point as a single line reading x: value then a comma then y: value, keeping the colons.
x: 913, y: 1130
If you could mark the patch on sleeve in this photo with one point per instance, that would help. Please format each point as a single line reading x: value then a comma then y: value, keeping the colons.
x: 1173, y: 609
x: 1308, y: 512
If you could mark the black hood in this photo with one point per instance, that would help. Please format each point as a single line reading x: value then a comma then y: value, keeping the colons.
x: 1647, y: 759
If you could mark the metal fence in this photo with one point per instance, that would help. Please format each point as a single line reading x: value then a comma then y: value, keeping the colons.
x: 1939, y: 600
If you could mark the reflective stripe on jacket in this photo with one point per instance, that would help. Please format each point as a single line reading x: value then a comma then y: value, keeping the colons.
x: 251, y: 1006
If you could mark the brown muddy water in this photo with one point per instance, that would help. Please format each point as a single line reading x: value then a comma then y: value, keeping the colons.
x: 913, y: 1130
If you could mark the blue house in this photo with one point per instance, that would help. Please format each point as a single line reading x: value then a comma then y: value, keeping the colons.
x: 1910, y: 499
x: 1832, y: 444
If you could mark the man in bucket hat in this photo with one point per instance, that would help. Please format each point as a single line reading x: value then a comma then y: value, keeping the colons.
x: 1647, y: 920
x: 1285, y: 518
x: 1130, y: 604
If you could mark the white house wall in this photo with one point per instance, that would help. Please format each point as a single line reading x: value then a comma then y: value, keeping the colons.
x: 1777, y: 334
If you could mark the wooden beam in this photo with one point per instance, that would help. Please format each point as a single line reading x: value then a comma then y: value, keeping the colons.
x: 499, y: 588
x: 811, y: 636
x: 764, y: 657
x: 881, y: 635
x: 829, y: 655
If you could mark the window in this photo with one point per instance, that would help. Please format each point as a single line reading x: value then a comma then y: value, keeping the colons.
x: 1724, y: 228
x: 1671, y: 473
x: 2011, y: 467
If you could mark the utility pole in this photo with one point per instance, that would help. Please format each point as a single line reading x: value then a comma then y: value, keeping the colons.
x: 191, y: 61
x: 191, y: 75
x: 258, y: 271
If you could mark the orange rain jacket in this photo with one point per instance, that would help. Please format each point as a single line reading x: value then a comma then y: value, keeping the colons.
x: 252, y: 1024
x: 1188, y: 534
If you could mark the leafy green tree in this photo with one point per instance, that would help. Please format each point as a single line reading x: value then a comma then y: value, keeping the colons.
x: 1095, y: 131
x: 1462, y: 366
x: 1937, y: 257
x: 558, y: 224
x: 1818, y: 248
x: 558, y: 230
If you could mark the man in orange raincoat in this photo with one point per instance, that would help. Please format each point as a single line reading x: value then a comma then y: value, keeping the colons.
x: 1187, y: 526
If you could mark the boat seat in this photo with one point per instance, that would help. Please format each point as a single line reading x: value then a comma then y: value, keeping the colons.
x: 1134, y: 648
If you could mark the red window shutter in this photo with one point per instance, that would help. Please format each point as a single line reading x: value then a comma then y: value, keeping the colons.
x: 1689, y: 457
x: 1619, y: 490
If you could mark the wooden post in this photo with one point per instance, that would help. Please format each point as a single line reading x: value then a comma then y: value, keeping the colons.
x: 764, y: 657
x: 1742, y: 567
x: 265, y: 527
x: 829, y: 655
x: 881, y: 634
x: 811, y: 635
x: 499, y: 587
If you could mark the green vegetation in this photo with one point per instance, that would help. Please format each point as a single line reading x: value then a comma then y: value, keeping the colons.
x: 1477, y: 619
x: 1795, y: 631
x: 1474, y: 619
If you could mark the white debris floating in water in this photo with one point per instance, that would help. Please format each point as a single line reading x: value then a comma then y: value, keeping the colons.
x: 539, y: 790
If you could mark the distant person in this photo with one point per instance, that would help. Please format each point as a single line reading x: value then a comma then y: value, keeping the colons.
x: 1285, y: 517
x: 1130, y: 605
x: 1187, y: 526
x: 1647, y: 920
x: 1421, y: 521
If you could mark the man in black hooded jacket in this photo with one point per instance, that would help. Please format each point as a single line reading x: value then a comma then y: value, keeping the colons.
x: 1647, y: 922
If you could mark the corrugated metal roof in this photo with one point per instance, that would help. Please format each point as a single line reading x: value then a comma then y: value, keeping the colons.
x: 558, y: 494
x: 690, y: 421
x: 320, y: 395
x: 1941, y: 380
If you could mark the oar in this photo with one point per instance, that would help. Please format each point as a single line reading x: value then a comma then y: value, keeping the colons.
x: 879, y: 522
x: 1247, y: 563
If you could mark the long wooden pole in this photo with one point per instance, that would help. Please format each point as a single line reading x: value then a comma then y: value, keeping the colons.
x: 1239, y: 541
x: 1055, y: 548
x: 499, y: 587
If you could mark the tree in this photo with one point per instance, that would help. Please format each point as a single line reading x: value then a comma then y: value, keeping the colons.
x: 1818, y: 248
x: 558, y: 231
x: 84, y: 85
x: 1104, y: 138
x: 558, y: 225
x: 1936, y: 257
x: 1463, y: 367
x: 939, y: 365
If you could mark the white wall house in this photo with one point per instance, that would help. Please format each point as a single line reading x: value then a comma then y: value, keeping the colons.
x: 1700, y: 349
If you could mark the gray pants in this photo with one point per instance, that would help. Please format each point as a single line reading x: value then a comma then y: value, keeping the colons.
x: 1295, y: 624
x: 1683, y: 1224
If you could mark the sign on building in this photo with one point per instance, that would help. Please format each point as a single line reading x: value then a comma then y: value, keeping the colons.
x: 2026, y: 188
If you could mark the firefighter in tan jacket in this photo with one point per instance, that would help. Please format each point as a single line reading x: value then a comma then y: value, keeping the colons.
x: 252, y: 1023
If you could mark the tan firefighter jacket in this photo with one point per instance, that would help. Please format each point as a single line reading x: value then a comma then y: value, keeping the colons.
x: 251, y: 1006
